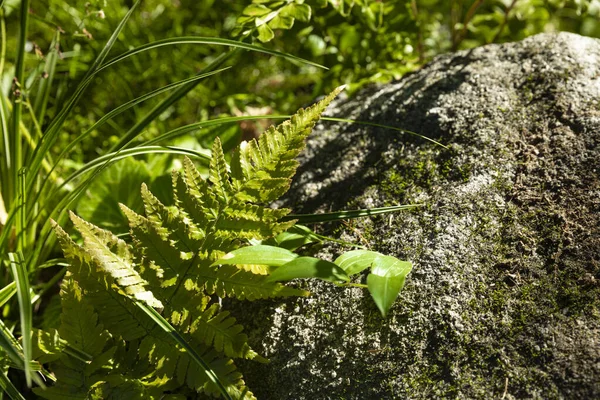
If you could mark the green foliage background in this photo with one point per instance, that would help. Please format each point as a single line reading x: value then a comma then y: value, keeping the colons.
x: 360, y: 41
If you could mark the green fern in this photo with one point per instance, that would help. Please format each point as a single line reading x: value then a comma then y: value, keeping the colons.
x: 170, y: 266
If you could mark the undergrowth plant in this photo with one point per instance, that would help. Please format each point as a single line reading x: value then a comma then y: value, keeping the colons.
x: 147, y: 313
x: 37, y: 187
x: 141, y: 317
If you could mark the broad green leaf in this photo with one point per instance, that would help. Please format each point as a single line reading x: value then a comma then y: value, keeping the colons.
x: 261, y: 254
x: 301, y: 12
x: 355, y: 261
x: 389, y: 266
x: 265, y: 33
x: 308, y: 267
x: 386, y: 280
x: 256, y: 10
x: 281, y: 22
x: 384, y: 290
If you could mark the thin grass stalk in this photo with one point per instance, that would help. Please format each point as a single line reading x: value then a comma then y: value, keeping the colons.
x: 51, y: 133
x: 113, y: 113
x: 6, y: 163
x: 15, y: 148
x: 7, y: 386
x: 105, y: 161
x: 166, y: 103
x: 351, y: 214
x: 5, y: 140
x: 20, y: 276
x: 45, y: 86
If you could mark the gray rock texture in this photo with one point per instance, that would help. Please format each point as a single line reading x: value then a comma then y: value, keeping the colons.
x: 504, y: 298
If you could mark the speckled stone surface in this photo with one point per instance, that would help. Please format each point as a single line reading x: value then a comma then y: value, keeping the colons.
x: 504, y: 298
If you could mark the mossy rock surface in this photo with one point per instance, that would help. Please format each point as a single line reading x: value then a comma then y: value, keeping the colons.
x: 504, y: 297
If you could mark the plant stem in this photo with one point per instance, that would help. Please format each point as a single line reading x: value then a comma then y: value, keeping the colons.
x: 505, y: 21
x: 19, y: 81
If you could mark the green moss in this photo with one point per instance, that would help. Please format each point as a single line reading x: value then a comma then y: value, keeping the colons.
x: 411, y: 176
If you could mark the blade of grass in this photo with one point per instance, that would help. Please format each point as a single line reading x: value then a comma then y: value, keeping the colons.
x: 8, y: 387
x: 228, y: 120
x: 5, y: 142
x: 340, y: 215
x: 137, y: 129
x: 10, y: 345
x: 51, y: 133
x: 7, y: 188
x: 21, y: 277
x: 113, y: 113
x: 7, y: 292
x: 124, y: 107
x: 13, y: 349
x: 98, y: 164
x: 15, y: 146
x: 171, y: 331
x: 205, y: 40
x: 136, y: 151
x: 238, y: 45
x: 172, y: 134
x: 353, y: 121
x: 45, y: 86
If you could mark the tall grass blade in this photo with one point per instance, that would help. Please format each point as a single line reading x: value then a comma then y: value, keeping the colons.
x: 17, y: 264
x: 13, y: 349
x: 108, y: 159
x: 170, y: 100
x: 41, y: 99
x: 52, y: 132
x: 10, y: 345
x: 353, y: 121
x: 7, y: 385
x: 7, y: 292
x: 113, y: 113
x: 341, y: 215
x: 15, y: 138
x: 228, y: 120
x: 6, y: 162
x: 237, y: 45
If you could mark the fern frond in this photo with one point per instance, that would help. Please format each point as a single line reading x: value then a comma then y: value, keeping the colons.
x: 170, y: 265
x: 218, y: 175
x: 80, y: 328
x: 221, y: 331
x: 116, y: 311
x: 114, y: 257
x: 176, y: 363
x: 262, y: 170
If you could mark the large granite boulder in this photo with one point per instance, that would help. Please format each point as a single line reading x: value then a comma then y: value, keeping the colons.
x: 504, y: 298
